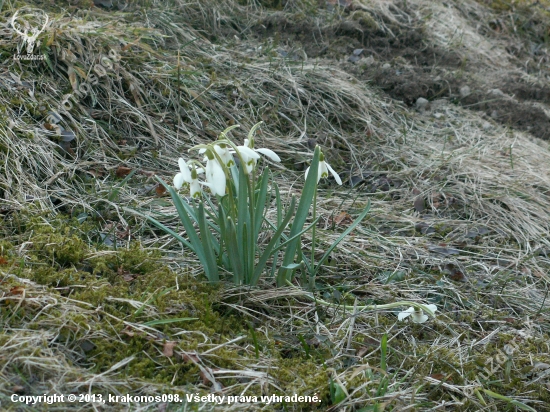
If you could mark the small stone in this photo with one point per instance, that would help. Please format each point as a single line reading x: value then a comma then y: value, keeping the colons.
x: 357, y: 52
x: 496, y: 92
x: 104, y: 3
x: 421, y: 103
x: 386, y: 66
x: 438, y: 115
x: 369, y: 61
x: 494, y: 114
x: 465, y: 91
x: 486, y: 126
x: 541, y: 366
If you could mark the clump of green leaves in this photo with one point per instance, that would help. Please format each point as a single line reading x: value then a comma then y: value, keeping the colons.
x: 223, y: 227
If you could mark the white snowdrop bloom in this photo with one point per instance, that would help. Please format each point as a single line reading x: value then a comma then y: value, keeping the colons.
x: 215, y: 176
x: 189, y: 177
x: 225, y: 155
x: 184, y: 176
x: 418, y: 315
x: 250, y: 155
x: 195, y: 184
x: 222, y: 150
x: 323, y: 170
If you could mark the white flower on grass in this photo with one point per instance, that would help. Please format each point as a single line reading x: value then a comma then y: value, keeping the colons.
x: 184, y: 176
x: 223, y: 152
x: 323, y: 170
x: 189, y: 177
x: 215, y: 176
x: 250, y: 155
x: 195, y: 184
x: 418, y: 315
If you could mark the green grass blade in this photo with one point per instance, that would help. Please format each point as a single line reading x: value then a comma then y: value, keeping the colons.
x: 254, y: 340
x: 297, y: 235
x: 206, y: 238
x: 242, y: 213
x: 342, y: 236
x: 300, y: 218
x: 188, y: 225
x: 162, y: 227
x: 234, y: 259
x: 279, y: 221
x: 222, y: 221
x: 260, y: 204
x: 114, y: 193
x: 273, y: 244
x: 167, y: 321
x: 249, y: 249
x: 211, y: 214
x: 519, y: 404
x: 155, y: 295
x: 383, y: 352
x: 211, y: 223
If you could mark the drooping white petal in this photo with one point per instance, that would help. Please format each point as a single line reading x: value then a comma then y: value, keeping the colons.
x: 184, y: 169
x: 225, y: 155
x: 433, y: 308
x: 269, y: 153
x: 215, y: 177
x: 405, y: 313
x: 336, y: 176
x: 178, y: 180
x: 248, y: 152
x: 250, y: 166
x: 419, y: 317
x: 195, y: 188
x: 323, y: 171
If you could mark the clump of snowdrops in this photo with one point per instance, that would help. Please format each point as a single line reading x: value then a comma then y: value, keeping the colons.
x: 226, y: 211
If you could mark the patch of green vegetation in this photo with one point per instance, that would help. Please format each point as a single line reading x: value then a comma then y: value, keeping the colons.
x: 110, y: 287
x: 303, y: 377
x: 365, y: 19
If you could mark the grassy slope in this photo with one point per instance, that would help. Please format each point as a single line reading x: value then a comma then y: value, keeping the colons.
x: 460, y: 195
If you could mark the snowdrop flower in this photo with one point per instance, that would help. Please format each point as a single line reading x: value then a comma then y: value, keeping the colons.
x: 323, y: 170
x: 418, y: 315
x: 184, y: 176
x: 251, y: 156
x: 189, y: 177
x: 195, y: 184
x: 215, y: 176
x: 223, y: 152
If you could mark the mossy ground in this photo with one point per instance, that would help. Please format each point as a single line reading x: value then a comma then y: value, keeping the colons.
x: 54, y: 257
